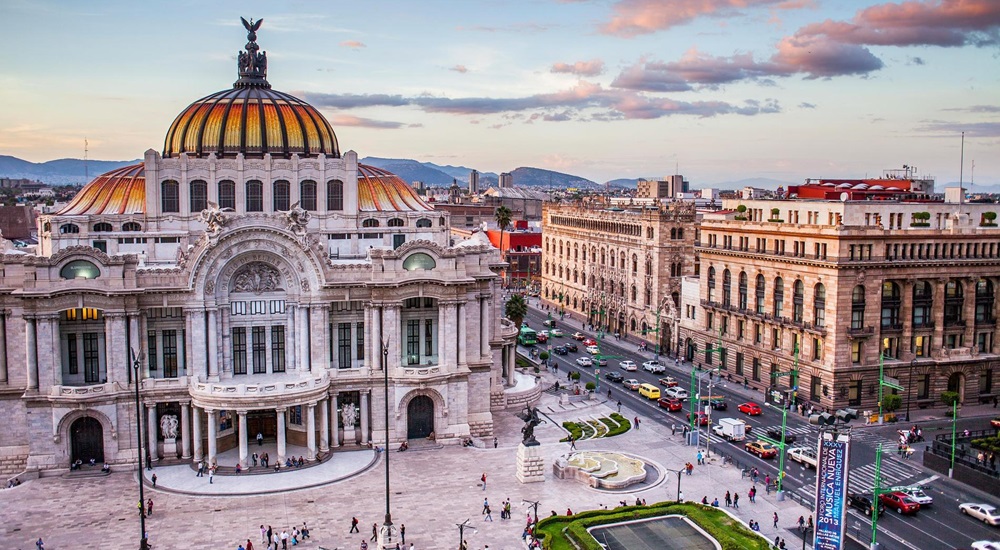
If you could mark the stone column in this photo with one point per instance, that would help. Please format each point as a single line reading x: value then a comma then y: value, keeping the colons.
x: 212, y: 435
x: 302, y: 338
x: 311, y: 431
x: 324, y: 425
x: 443, y: 358
x: 484, y: 328
x: 511, y: 364
x: 372, y: 360
x: 48, y: 362
x: 938, y: 313
x: 335, y: 420
x: 365, y: 413
x: 139, y: 345
x: 185, y: 430
x: 969, y: 312
x: 117, y: 356
x: 318, y: 324
x: 906, y: 317
x: 151, y: 426
x: 391, y: 332
x: 281, y: 435
x: 213, y: 345
x: 243, y: 437
x: 462, y: 336
x: 450, y: 344
x: 290, y: 338
x: 198, y: 367
x: 196, y: 429
x: 31, y: 343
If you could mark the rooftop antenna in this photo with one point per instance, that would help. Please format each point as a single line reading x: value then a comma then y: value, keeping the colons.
x: 86, y: 169
x: 961, y: 189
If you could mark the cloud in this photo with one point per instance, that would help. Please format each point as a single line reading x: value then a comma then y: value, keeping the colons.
x: 824, y: 58
x: 976, y: 109
x: 952, y: 129
x: 353, y: 44
x: 916, y: 60
x: 635, y: 17
x: 593, y: 67
x: 361, y: 122
x: 806, y: 105
x: 459, y: 69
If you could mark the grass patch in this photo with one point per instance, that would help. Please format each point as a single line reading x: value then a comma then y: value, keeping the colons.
x: 600, y: 429
x: 574, y: 429
x: 555, y: 532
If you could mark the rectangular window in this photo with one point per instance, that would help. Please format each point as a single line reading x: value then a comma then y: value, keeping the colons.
x: 920, y: 345
x: 817, y: 349
x: 239, y: 350
x: 259, y: 342
x: 282, y: 196
x: 238, y: 308
x: 722, y: 359
x: 854, y: 393
x: 101, y: 245
x: 335, y: 195
x: 739, y: 364
x: 413, y: 341
x: 755, y: 372
x: 227, y: 194
x: 711, y: 319
x: 307, y: 196
x: 71, y: 353
x: 890, y: 347
x: 295, y: 415
x: 984, y: 341
x: 255, y: 196
x: 151, y: 350
x: 758, y: 334
x: 775, y: 339
x: 708, y: 355
x: 740, y: 326
x: 278, y: 348
x: 199, y: 196
x: 91, y: 358
x: 923, y: 386
x: 855, y: 352
x: 815, y: 387
x: 359, y: 348
x: 170, y: 354
x: 344, y: 345
x: 986, y: 381
x: 429, y: 337
x: 171, y: 200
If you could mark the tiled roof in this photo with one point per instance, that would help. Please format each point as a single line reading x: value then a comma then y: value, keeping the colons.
x: 120, y: 191
x: 383, y: 191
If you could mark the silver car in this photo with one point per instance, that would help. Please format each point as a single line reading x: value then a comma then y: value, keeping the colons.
x: 984, y: 512
x: 919, y: 496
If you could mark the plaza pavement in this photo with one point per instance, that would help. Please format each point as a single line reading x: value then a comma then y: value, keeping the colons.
x: 432, y: 490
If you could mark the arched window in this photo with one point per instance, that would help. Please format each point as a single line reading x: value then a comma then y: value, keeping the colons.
x: 335, y: 196
x: 727, y: 288
x: 255, y: 196
x: 396, y: 222
x: 680, y: 232
x: 79, y: 269
x: 227, y: 194
x: 621, y: 289
x: 282, y: 196
x: 649, y: 232
x: 858, y: 307
x: 576, y: 275
x: 711, y: 282
x: 779, y: 297
x: 953, y: 301
x: 635, y: 264
x: 370, y: 222
x: 198, y: 196
x: 131, y: 226
x: 673, y: 232
x: 649, y: 266
x: 103, y: 226
x: 743, y: 290
x: 621, y: 260
x: 891, y: 305
x: 170, y: 197
x: 923, y: 301
x: 798, y: 299
x: 68, y: 228
x: 984, y: 301
x: 441, y: 221
x: 759, y: 294
x: 635, y: 294
x: 424, y: 223
x: 307, y: 195
x: 819, y: 305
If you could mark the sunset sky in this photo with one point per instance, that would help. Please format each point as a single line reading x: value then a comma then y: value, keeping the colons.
x: 718, y: 89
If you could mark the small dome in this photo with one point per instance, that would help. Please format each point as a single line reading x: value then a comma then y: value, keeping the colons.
x: 120, y: 191
x: 382, y: 191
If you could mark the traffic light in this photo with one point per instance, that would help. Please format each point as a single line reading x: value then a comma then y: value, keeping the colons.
x: 846, y: 415
x: 822, y: 419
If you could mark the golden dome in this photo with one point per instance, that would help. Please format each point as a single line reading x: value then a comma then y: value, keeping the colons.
x: 382, y: 191
x: 120, y: 191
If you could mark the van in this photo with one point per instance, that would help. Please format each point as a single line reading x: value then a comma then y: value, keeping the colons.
x: 649, y: 391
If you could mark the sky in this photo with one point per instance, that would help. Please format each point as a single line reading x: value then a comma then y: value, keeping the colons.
x: 717, y: 90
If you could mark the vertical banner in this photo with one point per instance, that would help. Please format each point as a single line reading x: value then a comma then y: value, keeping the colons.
x: 831, y: 490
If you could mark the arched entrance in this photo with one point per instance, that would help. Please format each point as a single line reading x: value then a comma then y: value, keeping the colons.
x: 419, y: 417
x: 689, y: 354
x: 956, y: 383
x: 86, y: 440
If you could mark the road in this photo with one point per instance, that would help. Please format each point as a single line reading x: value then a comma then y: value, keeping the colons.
x: 937, y: 526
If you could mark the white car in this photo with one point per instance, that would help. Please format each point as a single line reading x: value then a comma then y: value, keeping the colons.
x: 676, y: 393
x: 985, y: 512
x: 584, y: 361
x: 556, y: 333
x: 985, y: 545
x: 593, y: 350
x: 627, y: 366
x: 919, y: 496
x: 803, y: 455
x: 654, y: 367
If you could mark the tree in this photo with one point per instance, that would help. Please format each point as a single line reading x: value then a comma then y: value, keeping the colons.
x: 949, y: 397
x: 891, y: 402
x: 503, y: 217
x: 516, y: 309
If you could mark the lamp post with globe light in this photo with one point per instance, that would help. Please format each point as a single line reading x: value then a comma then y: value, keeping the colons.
x: 136, y: 360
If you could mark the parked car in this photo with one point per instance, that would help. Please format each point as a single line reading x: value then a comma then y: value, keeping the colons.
x: 631, y: 384
x: 671, y: 404
x: 918, y: 495
x: 668, y: 381
x: 718, y: 404
x: 775, y: 434
x: 589, y: 342
x: 571, y: 346
x: 579, y: 335
x: 614, y: 376
x: 761, y: 449
x: 803, y: 455
x: 863, y: 503
x: 628, y: 366
x: 654, y: 367
x: 593, y: 350
x: 995, y: 423
x: 702, y: 419
x: 556, y: 333
x: 676, y: 393
x: 900, y: 502
x: 752, y: 409
x: 559, y: 350
x: 985, y: 512
x: 584, y: 361
x: 985, y: 545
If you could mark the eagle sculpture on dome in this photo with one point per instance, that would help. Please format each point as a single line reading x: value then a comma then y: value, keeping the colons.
x: 251, y: 27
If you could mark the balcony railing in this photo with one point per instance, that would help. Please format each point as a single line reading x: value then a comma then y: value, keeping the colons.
x: 861, y: 332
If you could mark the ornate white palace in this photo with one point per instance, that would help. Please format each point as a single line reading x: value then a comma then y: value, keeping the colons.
x: 263, y: 281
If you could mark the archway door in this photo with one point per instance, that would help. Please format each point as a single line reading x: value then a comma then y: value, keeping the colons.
x: 419, y: 417
x: 262, y: 422
x: 86, y: 440
x: 956, y: 383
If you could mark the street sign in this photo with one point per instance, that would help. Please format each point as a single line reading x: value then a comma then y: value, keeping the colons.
x: 891, y: 382
x: 786, y: 373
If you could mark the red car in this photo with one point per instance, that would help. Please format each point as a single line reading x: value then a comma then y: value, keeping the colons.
x: 589, y: 342
x: 995, y: 423
x: 901, y: 502
x: 752, y: 409
x: 541, y: 338
x: 672, y: 405
x: 702, y: 418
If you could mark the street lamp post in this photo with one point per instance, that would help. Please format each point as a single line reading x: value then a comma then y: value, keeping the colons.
x: 387, y: 527
x: 461, y: 532
x: 138, y: 425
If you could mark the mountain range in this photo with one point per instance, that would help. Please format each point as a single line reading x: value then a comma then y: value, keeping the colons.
x: 59, y: 171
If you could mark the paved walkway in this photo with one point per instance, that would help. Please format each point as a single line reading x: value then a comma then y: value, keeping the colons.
x: 433, y: 489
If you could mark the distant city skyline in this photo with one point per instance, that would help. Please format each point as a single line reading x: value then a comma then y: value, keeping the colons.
x: 717, y: 90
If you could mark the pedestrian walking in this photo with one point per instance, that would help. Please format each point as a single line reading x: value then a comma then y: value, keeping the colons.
x: 776, y: 520
x: 701, y: 458
x: 637, y: 422
x: 354, y: 526
x: 496, y: 443
x: 201, y: 468
x: 736, y: 500
x: 374, y: 532
x: 619, y: 405
x: 486, y: 505
x: 211, y: 475
x: 402, y: 533
x: 153, y: 479
x: 489, y: 514
x: 149, y: 507
x: 752, y: 493
x: 260, y: 439
x: 729, y: 499
x: 40, y: 545
x: 263, y: 534
x: 572, y: 442
x: 483, y: 479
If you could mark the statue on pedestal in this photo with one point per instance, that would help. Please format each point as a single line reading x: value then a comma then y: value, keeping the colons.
x: 530, y: 417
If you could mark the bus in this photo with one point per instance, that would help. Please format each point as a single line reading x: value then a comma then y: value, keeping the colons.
x: 527, y: 337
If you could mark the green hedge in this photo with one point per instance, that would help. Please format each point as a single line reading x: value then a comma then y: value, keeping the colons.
x: 991, y: 444
x: 623, y: 425
x: 555, y: 532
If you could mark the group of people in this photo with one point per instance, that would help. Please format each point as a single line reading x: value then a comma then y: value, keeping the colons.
x: 263, y: 458
x: 272, y: 540
x: 13, y: 483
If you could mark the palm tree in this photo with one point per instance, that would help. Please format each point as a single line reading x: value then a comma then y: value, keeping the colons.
x: 516, y: 309
x: 503, y: 216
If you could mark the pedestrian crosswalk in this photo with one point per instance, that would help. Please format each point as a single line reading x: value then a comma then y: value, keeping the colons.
x: 892, y: 473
